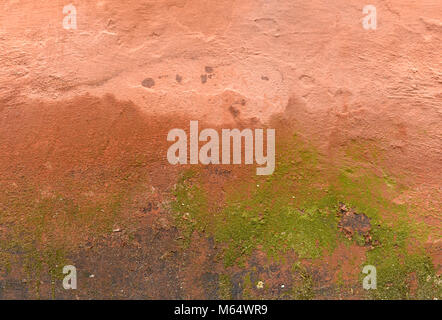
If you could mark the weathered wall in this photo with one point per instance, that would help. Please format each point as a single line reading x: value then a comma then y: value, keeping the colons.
x: 312, y: 59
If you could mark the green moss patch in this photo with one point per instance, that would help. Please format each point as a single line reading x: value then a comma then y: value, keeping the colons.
x: 295, y: 209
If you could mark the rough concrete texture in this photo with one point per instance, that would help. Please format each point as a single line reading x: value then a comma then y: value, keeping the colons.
x: 229, y: 62
x: 311, y: 58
